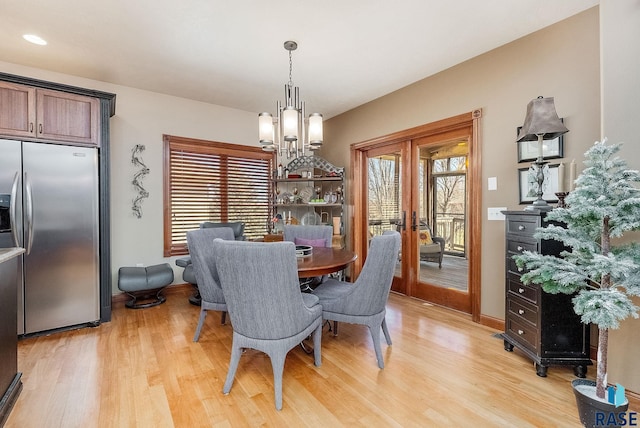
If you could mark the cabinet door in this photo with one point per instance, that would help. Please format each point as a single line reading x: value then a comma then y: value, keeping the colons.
x: 67, y: 117
x: 17, y: 110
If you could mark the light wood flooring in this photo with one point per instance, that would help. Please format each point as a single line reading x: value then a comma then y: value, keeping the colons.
x: 143, y: 370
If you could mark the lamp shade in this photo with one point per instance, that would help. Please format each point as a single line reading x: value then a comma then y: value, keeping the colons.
x: 315, y: 129
x: 541, y: 119
x: 290, y: 123
x: 265, y: 128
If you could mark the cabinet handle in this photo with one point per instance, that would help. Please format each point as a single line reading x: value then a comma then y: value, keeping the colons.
x: 40, y: 128
x: 520, y: 290
x: 521, y: 311
x: 521, y: 227
x: 520, y: 332
x: 520, y: 248
x: 30, y: 126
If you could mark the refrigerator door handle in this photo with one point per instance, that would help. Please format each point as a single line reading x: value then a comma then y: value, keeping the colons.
x: 29, y: 216
x: 12, y: 210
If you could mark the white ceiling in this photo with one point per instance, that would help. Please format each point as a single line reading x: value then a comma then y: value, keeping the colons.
x: 231, y: 52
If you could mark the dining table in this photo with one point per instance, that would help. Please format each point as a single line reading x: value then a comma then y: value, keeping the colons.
x: 323, y: 261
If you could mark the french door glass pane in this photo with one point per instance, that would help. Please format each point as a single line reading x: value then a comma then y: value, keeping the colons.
x: 441, y: 218
x: 384, y: 195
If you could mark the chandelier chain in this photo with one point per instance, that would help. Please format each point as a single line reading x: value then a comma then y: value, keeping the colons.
x: 290, y: 68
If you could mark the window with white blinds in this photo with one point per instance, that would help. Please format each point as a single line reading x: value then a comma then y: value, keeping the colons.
x: 211, y: 181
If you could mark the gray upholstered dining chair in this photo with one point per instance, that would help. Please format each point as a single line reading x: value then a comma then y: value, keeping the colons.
x: 314, y: 236
x: 268, y: 313
x: 364, y: 301
x: 185, y: 262
x: 200, y: 244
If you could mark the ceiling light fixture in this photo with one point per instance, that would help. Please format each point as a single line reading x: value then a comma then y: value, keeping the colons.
x: 36, y: 40
x: 290, y: 133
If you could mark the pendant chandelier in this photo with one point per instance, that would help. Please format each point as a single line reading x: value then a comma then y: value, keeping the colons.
x: 290, y: 133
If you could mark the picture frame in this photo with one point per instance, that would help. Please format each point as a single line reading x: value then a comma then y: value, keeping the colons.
x: 529, y: 186
x: 551, y: 149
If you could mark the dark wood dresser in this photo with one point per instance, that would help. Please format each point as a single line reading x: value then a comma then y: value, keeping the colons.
x: 541, y: 325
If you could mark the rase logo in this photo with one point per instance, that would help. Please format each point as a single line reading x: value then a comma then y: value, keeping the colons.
x: 622, y: 419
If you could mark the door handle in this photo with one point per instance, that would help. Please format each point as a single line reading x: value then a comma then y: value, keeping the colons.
x: 29, y: 219
x: 414, y: 225
x: 12, y: 210
x: 402, y: 224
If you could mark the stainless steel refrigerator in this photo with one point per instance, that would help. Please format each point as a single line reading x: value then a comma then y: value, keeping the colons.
x: 49, y: 195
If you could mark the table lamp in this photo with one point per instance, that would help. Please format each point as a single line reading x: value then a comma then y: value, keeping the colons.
x: 541, y: 123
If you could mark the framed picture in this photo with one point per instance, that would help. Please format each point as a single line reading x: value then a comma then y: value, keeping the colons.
x: 529, y: 184
x: 551, y: 149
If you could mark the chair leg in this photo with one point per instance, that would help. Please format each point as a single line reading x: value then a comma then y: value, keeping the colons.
x: 236, y: 352
x: 203, y: 315
x: 223, y: 317
x: 277, y: 364
x: 375, y: 336
x: 386, y: 331
x: 317, y: 340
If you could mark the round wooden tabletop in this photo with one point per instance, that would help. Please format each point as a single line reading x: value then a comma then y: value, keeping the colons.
x: 323, y: 261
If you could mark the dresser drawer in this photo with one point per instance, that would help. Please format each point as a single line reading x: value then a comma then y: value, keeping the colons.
x: 528, y: 292
x: 516, y: 247
x: 512, y: 268
x: 522, y: 225
x: 521, y: 308
x: 522, y: 332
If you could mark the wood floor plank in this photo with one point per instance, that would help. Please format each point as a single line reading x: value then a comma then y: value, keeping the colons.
x: 143, y: 370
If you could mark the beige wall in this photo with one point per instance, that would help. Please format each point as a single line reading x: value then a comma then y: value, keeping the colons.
x: 560, y: 61
x: 620, y: 31
x: 142, y: 117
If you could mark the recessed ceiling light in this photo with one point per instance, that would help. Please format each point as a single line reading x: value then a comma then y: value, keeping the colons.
x: 36, y: 40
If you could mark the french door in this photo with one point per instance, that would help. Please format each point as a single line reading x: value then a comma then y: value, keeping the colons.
x: 424, y: 183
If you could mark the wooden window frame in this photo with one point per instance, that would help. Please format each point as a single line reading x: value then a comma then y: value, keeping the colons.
x: 223, y: 160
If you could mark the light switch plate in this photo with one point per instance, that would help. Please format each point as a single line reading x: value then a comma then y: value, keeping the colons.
x: 492, y: 183
x: 494, y: 213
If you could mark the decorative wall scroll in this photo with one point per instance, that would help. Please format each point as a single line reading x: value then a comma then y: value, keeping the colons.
x: 136, y: 159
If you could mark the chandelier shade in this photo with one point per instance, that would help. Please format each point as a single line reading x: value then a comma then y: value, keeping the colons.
x: 265, y: 128
x: 290, y: 133
x: 315, y: 129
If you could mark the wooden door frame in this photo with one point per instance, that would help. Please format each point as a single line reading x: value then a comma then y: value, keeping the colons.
x: 358, y: 177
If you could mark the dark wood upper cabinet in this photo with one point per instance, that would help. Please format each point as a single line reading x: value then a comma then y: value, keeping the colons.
x: 49, y: 115
x: 17, y: 110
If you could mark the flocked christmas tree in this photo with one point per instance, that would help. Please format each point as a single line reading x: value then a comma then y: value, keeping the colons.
x: 604, y: 205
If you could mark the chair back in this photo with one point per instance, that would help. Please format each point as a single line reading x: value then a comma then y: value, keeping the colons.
x: 236, y: 226
x: 201, y: 249
x: 307, y: 235
x: 261, y: 288
x: 374, y: 282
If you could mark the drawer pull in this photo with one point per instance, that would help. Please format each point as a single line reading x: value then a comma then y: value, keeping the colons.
x: 521, y: 227
x: 520, y: 248
x: 520, y: 332
x: 521, y: 311
x: 520, y: 290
